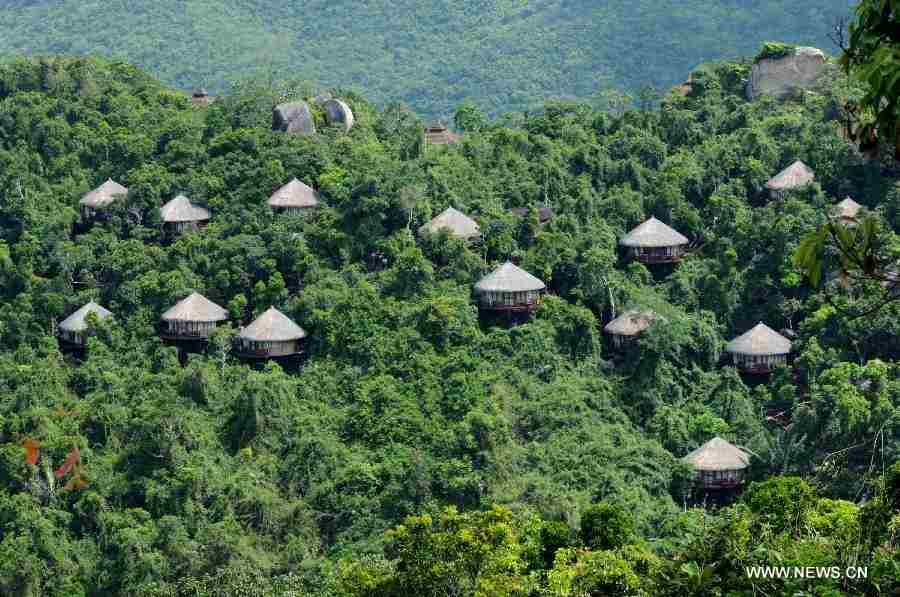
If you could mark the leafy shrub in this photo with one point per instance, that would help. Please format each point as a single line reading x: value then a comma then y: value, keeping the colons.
x: 773, y: 50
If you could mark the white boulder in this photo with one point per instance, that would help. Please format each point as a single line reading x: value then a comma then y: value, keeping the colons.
x: 779, y: 77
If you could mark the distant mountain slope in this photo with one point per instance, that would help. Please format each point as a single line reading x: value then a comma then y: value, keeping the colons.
x: 504, y: 54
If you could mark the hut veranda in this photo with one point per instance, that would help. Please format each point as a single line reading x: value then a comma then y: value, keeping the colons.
x: 655, y: 242
x: 193, y: 318
x: 795, y: 176
x: 719, y: 467
x: 509, y: 288
x: 271, y: 335
x: 93, y: 203
x: 458, y: 224
x: 294, y: 198
x: 759, y: 350
x: 437, y: 133
x: 627, y: 327
x: 74, y: 329
x: 180, y: 215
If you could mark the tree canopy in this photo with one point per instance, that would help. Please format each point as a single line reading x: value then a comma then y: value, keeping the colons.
x: 502, y: 55
x: 420, y: 448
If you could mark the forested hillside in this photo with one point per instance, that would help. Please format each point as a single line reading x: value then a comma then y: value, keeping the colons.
x: 509, y: 461
x: 502, y: 54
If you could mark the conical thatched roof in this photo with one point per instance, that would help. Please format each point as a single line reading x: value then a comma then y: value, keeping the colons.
x: 847, y: 209
x: 760, y: 341
x: 459, y: 224
x: 653, y: 233
x: 794, y: 176
x: 438, y: 134
x: 180, y: 209
x: 630, y: 323
x: 272, y: 326
x: 509, y: 278
x: 294, y: 194
x: 76, y: 321
x: 195, y: 307
x: 201, y: 97
x: 103, y: 195
x: 718, y: 455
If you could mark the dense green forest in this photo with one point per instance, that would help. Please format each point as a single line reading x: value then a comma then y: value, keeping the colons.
x: 419, y: 450
x: 502, y: 54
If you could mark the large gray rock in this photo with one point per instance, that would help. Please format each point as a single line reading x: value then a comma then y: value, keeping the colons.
x: 781, y: 76
x: 337, y: 112
x: 294, y: 118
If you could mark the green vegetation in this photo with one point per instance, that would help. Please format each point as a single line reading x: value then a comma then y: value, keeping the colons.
x: 419, y: 450
x: 502, y: 54
x: 872, y: 121
x: 774, y: 49
x: 873, y: 55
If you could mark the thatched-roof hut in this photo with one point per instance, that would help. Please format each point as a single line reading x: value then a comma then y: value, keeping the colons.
x: 625, y: 328
x: 94, y: 202
x: 438, y: 134
x: 760, y: 350
x: 180, y: 215
x: 718, y: 464
x: 294, y: 198
x: 272, y: 334
x: 74, y: 328
x: 795, y: 176
x: 509, y: 288
x: 193, y: 318
x: 457, y: 223
x: 846, y: 211
x: 655, y: 242
x: 545, y: 214
x: 201, y: 97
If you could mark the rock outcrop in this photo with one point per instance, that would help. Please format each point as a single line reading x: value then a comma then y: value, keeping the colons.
x: 294, y: 118
x: 338, y: 112
x: 800, y: 69
x: 323, y: 97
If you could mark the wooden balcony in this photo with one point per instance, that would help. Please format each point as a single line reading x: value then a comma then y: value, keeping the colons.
x: 515, y: 308
x: 718, y: 480
x: 179, y: 337
x: 188, y: 331
x: 658, y: 255
x: 758, y: 365
x: 515, y: 302
x: 273, y: 351
x: 721, y: 484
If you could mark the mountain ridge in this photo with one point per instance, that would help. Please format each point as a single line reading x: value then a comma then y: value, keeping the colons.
x: 503, y: 55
